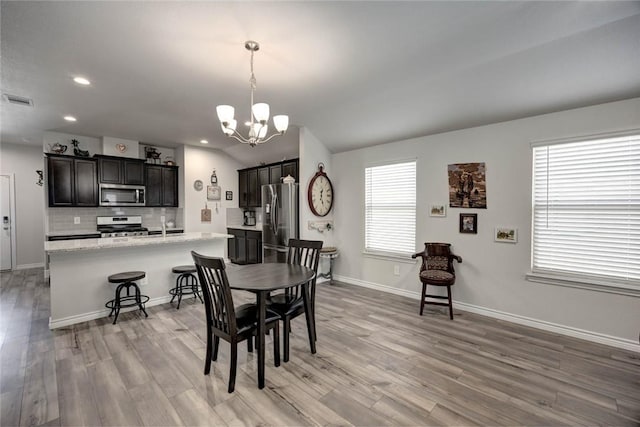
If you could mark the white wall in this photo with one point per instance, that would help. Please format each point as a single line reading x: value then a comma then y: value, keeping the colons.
x: 198, y: 164
x: 491, y: 279
x: 23, y: 161
x: 312, y: 152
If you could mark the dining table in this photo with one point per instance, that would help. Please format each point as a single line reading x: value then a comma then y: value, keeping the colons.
x: 262, y: 279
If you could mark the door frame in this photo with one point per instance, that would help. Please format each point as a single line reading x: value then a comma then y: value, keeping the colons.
x: 12, y: 210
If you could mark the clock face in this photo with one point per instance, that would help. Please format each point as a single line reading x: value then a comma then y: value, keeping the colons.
x: 321, y: 196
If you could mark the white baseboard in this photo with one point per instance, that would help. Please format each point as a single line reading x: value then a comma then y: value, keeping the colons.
x: 509, y: 317
x: 85, y: 317
x: 28, y: 266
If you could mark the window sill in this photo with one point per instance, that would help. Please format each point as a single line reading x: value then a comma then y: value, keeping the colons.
x: 591, y: 284
x: 390, y: 257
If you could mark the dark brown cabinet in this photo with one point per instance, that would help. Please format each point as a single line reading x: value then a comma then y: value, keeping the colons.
x: 72, y: 181
x: 243, y: 199
x: 290, y: 168
x: 250, y: 181
x: 116, y: 170
x: 245, y: 247
x: 161, y: 185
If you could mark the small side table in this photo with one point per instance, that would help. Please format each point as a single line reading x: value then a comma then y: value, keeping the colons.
x: 331, y: 254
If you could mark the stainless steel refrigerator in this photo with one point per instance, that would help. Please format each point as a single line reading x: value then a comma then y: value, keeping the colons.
x: 280, y: 220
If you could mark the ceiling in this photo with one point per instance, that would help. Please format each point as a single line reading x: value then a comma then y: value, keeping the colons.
x: 355, y: 74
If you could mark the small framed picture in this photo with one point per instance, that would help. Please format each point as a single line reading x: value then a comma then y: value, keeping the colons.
x: 228, y: 195
x: 506, y: 235
x: 213, y: 192
x: 438, y: 210
x: 469, y: 223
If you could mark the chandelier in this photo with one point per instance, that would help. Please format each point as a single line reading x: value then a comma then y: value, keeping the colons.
x: 259, y: 116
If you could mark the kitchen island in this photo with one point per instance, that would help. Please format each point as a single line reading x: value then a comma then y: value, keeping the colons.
x: 78, y: 270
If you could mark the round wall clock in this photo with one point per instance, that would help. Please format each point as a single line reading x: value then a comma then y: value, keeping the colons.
x: 197, y: 184
x: 320, y: 193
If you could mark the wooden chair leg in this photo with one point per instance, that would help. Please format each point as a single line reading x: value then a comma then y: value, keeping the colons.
x: 424, y: 292
x: 276, y: 345
x: 286, y: 326
x: 207, y: 360
x: 233, y: 364
x: 216, y: 344
x: 450, y: 303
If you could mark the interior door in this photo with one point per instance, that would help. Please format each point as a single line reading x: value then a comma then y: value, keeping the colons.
x: 5, y: 217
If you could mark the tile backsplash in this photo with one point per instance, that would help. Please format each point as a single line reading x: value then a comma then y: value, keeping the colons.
x: 62, y: 219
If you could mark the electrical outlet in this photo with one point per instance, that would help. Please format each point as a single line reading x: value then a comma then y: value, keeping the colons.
x: 396, y: 270
x: 76, y: 220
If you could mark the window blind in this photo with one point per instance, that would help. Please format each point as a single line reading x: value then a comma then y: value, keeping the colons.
x: 586, y: 209
x: 390, y: 208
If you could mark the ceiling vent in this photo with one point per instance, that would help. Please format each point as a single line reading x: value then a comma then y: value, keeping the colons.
x: 18, y: 100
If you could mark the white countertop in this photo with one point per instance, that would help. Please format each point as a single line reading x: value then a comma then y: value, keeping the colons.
x: 119, y: 242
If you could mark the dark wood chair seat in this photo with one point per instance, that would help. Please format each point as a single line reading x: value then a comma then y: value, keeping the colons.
x: 184, y: 269
x: 437, y: 270
x: 127, y: 276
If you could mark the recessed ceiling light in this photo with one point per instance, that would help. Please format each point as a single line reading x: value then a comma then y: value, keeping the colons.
x: 81, y: 81
x: 204, y: 141
x: 70, y: 118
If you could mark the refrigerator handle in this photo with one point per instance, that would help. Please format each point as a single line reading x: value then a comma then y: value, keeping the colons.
x: 274, y: 213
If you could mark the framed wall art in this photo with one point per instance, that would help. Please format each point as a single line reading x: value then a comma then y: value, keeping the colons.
x: 506, y: 235
x: 213, y: 192
x: 228, y: 195
x: 467, y: 185
x: 469, y: 223
x: 438, y: 210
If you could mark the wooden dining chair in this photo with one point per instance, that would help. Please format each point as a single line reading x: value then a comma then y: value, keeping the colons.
x: 232, y: 324
x: 290, y: 304
x: 437, y: 270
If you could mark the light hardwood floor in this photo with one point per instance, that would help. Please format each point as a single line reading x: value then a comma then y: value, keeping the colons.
x: 378, y: 363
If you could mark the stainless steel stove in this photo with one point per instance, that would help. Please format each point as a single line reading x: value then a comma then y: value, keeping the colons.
x: 119, y: 226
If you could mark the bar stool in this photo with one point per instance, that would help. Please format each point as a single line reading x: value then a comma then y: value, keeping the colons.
x: 126, y: 281
x: 186, y: 283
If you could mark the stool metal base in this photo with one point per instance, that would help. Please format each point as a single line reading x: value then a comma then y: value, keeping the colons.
x: 186, y: 284
x: 127, y: 301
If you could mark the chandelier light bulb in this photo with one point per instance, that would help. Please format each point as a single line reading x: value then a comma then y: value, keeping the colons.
x: 261, y: 111
x: 225, y: 113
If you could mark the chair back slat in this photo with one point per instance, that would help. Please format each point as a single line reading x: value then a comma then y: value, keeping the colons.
x: 218, y: 300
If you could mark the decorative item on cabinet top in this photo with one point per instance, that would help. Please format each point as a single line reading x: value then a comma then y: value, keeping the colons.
x: 57, y: 148
x: 76, y: 149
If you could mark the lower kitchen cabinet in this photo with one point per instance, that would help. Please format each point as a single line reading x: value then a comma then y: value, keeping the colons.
x: 245, y: 247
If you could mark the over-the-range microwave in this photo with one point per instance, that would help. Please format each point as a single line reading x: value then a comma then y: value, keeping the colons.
x: 121, y: 195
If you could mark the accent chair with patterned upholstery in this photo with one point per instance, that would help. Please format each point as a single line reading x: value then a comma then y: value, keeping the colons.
x: 437, y: 270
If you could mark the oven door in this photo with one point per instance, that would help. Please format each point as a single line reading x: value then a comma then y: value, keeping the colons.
x: 121, y: 195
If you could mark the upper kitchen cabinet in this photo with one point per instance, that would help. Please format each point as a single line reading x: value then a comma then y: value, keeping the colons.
x: 119, y: 170
x: 290, y: 168
x: 72, y: 181
x: 161, y: 185
x: 250, y: 181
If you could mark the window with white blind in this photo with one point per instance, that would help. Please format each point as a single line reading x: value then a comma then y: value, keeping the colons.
x: 586, y: 210
x: 390, y: 209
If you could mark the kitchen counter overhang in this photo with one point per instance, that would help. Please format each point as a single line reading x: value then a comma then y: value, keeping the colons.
x: 121, y: 242
x: 78, y: 270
